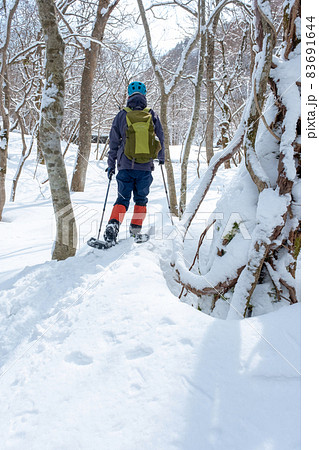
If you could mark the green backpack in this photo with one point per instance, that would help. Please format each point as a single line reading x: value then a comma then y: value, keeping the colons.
x: 141, y: 144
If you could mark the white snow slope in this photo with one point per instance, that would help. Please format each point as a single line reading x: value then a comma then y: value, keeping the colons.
x: 97, y: 353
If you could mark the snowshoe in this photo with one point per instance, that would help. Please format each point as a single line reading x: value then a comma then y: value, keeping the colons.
x: 141, y: 238
x: 110, y: 235
x: 101, y: 245
x: 135, y: 232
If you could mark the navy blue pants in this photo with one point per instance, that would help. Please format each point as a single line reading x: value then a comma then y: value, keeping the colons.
x: 136, y: 181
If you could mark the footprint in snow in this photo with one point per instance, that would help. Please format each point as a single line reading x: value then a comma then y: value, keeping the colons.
x: 78, y: 358
x: 186, y: 341
x: 139, y: 352
x: 167, y: 321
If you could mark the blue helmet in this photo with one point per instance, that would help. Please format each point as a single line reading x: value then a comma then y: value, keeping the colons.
x: 136, y: 86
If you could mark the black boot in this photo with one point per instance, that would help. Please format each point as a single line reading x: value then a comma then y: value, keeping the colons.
x: 111, y: 232
x: 135, y: 230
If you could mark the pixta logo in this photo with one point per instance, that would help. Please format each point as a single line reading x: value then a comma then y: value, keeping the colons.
x: 77, y: 224
x: 82, y: 223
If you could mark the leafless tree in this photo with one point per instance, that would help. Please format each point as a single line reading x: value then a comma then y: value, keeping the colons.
x: 210, y: 87
x: 50, y: 129
x: 104, y: 10
x: 5, y: 100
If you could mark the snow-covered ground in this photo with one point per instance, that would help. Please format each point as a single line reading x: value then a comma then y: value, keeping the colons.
x: 97, y: 352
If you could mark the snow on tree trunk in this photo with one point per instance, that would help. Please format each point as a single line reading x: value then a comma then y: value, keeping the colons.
x: 208, y: 177
x: 38, y: 99
x: 52, y: 108
x: 104, y: 10
x: 254, y: 253
x: 4, y: 137
x: 5, y: 101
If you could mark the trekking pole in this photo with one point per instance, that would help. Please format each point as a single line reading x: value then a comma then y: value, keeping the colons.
x: 95, y: 242
x: 165, y: 187
x: 107, y: 193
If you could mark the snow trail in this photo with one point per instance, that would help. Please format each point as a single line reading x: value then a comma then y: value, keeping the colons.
x: 131, y: 367
x: 97, y: 352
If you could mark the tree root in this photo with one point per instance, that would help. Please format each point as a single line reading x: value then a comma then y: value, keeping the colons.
x: 220, y: 289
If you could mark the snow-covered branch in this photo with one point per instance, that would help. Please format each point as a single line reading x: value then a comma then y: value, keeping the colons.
x: 26, y: 51
x: 176, y: 3
x: 206, y: 181
x: 274, y: 241
x: 7, y: 31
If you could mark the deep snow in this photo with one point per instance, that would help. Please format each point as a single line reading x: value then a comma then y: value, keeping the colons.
x: 97, y: 352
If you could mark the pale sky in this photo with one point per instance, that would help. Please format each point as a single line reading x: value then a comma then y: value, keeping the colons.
x: 167, y: 29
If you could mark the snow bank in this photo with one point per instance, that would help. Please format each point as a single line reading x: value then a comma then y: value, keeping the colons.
x: 122, y: 364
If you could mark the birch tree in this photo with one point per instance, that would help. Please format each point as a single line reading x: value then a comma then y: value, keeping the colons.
x: 9, y: 10
x: 104, y: 10
x: 261, y: 246
x: 50, y: 129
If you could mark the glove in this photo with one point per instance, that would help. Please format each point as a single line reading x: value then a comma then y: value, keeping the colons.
x: 110, y: 172
x: 160, y: 163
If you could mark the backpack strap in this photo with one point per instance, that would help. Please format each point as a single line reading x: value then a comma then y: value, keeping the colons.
x: 127, y: 109
x: 151, y: 111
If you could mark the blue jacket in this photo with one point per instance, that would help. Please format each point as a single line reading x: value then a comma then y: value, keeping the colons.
x: 118, y: 136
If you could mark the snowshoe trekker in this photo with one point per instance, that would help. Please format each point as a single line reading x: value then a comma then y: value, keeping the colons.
x: 136, y: 139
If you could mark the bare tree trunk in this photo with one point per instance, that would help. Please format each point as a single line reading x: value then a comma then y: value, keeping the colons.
x: 24, y: 155
x: 49, y: 133
x: 226, y: 113
x: 196, y: 107
x: 168, y: 162
x: 210, y: 87
x: 4, y: 140
x: 37, y: 100
x: 210, y: 96
x: 5, y: 105
x: 104, y: 10
x: 224, y: 136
